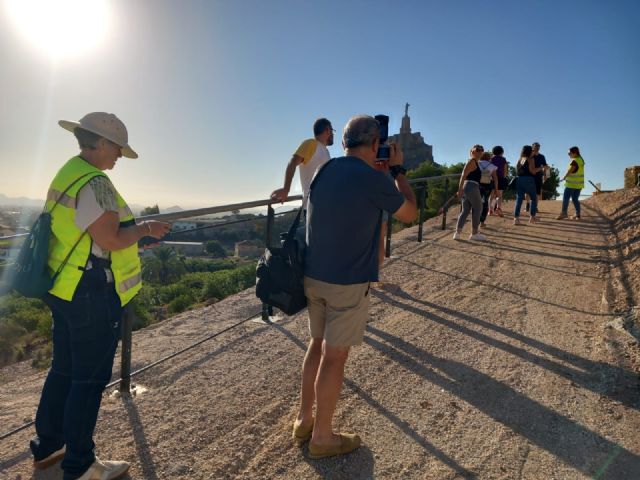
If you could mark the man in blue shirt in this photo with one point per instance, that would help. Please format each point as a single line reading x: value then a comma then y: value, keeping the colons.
x: 346, y: 202
x: 540, y: 162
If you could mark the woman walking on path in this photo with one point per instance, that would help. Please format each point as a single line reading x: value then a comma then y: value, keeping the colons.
x: 469, y: 192
x: 488, y: 184
x: 525, y: 170
x: 573, y: 184
x: 501, y: 164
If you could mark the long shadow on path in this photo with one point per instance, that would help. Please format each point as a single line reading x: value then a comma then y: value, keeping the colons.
x: 617, y: 383
x: 507, y: 290
x: 500, y: 258
x: 393, y: 418
x: 564, y: 438
x: 142, y: 445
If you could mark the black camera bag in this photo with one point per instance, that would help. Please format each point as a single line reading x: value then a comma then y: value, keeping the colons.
x: 280, y: 273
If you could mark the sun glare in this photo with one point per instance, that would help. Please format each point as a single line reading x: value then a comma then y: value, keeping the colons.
x: 61, y: 28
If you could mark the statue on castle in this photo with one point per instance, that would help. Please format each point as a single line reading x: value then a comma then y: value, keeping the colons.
x: 414, y: 148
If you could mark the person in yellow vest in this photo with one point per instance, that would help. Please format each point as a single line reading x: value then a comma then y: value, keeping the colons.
x: 573, y: 184
x: 93, y: 249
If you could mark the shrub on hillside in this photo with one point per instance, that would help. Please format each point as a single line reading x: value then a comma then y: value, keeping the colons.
x: 225, y: 283
x: 180, y: 303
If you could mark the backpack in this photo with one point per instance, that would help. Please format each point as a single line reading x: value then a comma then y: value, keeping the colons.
x: 485, y: 173
x: 280, y: 274
x: 29, y: 275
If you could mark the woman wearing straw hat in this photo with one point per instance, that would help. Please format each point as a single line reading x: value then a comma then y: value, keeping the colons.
x: 93, y: 253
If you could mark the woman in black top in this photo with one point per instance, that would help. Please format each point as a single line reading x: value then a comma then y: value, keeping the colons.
x: 526, y: 170
x: 469, y: 192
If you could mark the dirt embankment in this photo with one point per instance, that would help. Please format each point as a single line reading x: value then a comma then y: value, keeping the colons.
x: 622, y: 209
x: 497, y: 360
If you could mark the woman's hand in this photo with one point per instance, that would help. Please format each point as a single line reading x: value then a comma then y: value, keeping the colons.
x: 156, y: 229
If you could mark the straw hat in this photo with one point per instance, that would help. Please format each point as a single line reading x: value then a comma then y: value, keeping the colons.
x: 106, y: 125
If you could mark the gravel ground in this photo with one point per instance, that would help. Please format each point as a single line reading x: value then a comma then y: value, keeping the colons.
x: 510, y: 359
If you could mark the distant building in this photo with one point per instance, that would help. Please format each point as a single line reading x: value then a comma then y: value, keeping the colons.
x: 185, y: 227
x: 190, y: 249
x: 414, y: 149
x: 249, y: 248
x: 6, y: 230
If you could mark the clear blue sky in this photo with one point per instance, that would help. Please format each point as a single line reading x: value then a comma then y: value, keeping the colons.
x: 218, y: 94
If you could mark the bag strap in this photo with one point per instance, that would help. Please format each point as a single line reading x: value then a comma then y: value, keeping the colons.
x: 294, y: 226
x: 317, y: 175
x: 67, y: 189
x: 64, y: 262
x: 66, y: 259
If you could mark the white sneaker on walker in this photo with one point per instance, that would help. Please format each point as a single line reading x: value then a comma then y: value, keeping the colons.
x: 105, y: 470
x: 478, y: 237
x: 457, y: 236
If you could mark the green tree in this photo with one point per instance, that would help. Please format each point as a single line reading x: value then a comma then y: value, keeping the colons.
x: 551, y: 184
x: 215, y: 249
x: 163, y: 267
x: 150, y: 210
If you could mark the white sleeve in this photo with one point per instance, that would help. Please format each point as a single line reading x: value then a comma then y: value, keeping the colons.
x: 87, y: 208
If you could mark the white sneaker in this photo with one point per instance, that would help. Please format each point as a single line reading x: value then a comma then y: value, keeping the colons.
x: 105, y: 470
x: 478, y: 237
x: 457, y: 236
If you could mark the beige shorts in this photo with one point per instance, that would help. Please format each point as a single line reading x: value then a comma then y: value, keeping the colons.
x: 337, y: 313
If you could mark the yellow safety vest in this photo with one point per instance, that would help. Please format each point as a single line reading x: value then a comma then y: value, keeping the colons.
x: 576, y: 180
x: 125, y: 263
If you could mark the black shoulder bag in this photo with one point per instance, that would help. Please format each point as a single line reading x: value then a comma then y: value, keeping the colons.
x: 280, y: 273
x: 29, y: 275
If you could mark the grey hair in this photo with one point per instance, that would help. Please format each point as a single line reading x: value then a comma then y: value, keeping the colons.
x: 360, y: 130
x: 86, y: 139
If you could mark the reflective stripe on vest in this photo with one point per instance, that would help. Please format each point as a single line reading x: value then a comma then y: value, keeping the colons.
x: 576, y: 180
x: 125, y: 263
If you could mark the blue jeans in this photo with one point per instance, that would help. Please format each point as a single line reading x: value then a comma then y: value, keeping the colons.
x: 86, y: 331
x: 526, y: 185
x: 572, y: 194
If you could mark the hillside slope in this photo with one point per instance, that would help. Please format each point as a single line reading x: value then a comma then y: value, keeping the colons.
x: 491, y: 361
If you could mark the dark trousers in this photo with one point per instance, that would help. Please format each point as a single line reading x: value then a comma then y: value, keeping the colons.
x: 85, y: 336
x: 572, y: 194
x: 526, y: 185
x: 485, y: 193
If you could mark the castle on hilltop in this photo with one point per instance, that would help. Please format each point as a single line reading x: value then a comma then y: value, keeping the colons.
x: 413, y: 147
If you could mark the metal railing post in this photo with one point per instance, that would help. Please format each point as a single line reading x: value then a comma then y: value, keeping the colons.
x: 422, y: 199
x: 270, y: 218
x: 445, y: 206
x: 125, y: 363
x: 267, y: 310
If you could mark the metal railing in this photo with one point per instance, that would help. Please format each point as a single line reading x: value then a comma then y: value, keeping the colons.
x: 124, y: 382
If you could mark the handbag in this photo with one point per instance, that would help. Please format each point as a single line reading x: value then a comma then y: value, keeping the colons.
x: 29, y: 275
x: 280, y: 274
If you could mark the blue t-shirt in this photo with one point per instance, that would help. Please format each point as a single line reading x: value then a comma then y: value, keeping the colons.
x: 343, y: 221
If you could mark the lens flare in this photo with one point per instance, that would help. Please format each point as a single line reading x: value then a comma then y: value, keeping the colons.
x: 60, y: 28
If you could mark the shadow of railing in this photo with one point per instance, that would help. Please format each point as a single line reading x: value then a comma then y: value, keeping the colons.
x: 576, y: 445
x: 584, y: 372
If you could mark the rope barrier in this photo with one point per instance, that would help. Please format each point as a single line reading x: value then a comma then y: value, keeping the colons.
x: 216, y: 225
x: 147, y: 367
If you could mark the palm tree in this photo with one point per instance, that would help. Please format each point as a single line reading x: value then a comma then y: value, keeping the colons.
x: 163, y: 267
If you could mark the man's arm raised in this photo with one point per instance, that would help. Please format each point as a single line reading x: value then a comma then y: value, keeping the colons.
x: 409, y: 209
